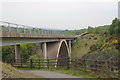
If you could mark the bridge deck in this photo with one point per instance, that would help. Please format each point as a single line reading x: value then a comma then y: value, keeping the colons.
x: 23, y: 35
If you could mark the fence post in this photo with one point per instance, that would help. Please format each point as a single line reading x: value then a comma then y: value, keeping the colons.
x: 96, y: 65
x: 75, y: 63
x: 31, y: 63
x: 68, y: 66
x: 11, y: 62
x: 84, y: 64
x: 39, y: 64
x: 48, y: 63
x: 21, y: 63
x: 110, y: 66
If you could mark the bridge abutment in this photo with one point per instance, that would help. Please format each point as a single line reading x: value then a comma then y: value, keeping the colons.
x: 17, y: 54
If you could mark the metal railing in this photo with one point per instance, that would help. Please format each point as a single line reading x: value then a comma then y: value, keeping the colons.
x: 11, y: 27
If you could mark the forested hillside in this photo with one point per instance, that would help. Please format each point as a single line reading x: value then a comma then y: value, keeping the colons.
x: 102, y: 40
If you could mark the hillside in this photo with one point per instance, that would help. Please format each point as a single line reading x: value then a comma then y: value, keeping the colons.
x: 82, y: 46
x: 101, y: 40
x: 95, y: 44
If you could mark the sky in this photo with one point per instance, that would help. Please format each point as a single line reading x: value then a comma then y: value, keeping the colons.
x: 59, y: 14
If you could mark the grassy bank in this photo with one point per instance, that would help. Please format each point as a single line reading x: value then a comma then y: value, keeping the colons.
x: 82, y: 46
x: 10, y: 72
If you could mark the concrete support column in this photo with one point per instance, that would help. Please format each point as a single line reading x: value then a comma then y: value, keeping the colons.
x: 69, y: 45
x: 45, y: 50
x: 17, y: 54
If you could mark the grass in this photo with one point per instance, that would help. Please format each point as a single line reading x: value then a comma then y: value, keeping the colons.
x: 75, y: 73
x: 82, y: 46
x: 11, y: 72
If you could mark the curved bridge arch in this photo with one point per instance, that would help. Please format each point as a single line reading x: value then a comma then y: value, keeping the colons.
x: 63, y: 49
x: 59, y: 50
x: 63, y: 54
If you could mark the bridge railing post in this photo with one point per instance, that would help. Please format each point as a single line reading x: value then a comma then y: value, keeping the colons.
x: 23, y: 29
x: 9, y: 27
x: 30, y: 30
x: 17, y: 29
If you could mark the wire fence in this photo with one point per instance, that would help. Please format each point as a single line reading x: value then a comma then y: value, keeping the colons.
x: 109, y: 68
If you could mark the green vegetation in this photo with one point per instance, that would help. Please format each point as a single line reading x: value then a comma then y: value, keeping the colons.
x: 10, y: 72
x: 99, y: 29
x: 75, y: 32
x: 94, y: 43
x: 76, y: 73
x: 83, y: 44
x: 114, y: 27
x: 102, y: 39
x: 100, y: 44
x: 27, y: 51
x: 38, y: 55
x: 107, y: 29
x: 7, y: 53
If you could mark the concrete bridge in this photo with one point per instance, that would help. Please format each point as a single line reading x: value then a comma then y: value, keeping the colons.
x: 54, y: 44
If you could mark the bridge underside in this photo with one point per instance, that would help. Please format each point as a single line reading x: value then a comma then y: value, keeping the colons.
x: 16, y: 41
x: 52, y: 48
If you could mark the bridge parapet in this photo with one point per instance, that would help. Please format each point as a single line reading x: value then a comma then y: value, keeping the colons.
x: 16, y: 28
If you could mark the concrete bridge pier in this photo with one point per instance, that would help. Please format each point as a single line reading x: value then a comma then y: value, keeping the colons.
x: 44, y: 47
x: 69, y: 46
x: 17, y: 54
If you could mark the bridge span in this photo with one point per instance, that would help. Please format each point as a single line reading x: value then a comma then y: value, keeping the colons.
x: 54, y: 44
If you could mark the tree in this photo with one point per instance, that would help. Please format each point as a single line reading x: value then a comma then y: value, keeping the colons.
x: 114, y: 27
x: 90, y: 29
x: 8, y: 53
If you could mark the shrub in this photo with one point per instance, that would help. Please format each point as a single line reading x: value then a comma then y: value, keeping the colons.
x: 93, y: 47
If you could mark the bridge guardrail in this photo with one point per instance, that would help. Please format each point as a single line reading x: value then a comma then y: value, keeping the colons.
x: 11, y: 27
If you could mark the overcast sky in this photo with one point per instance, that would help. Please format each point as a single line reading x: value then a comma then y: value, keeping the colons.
x: 59, y: 14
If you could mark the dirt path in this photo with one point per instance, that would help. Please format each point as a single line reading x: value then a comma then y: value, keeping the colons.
x: 51, y: 74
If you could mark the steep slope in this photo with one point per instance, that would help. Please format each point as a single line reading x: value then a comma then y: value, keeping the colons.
x: 83, y: 44
x: 10, y: 72
x: 103, y: 44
